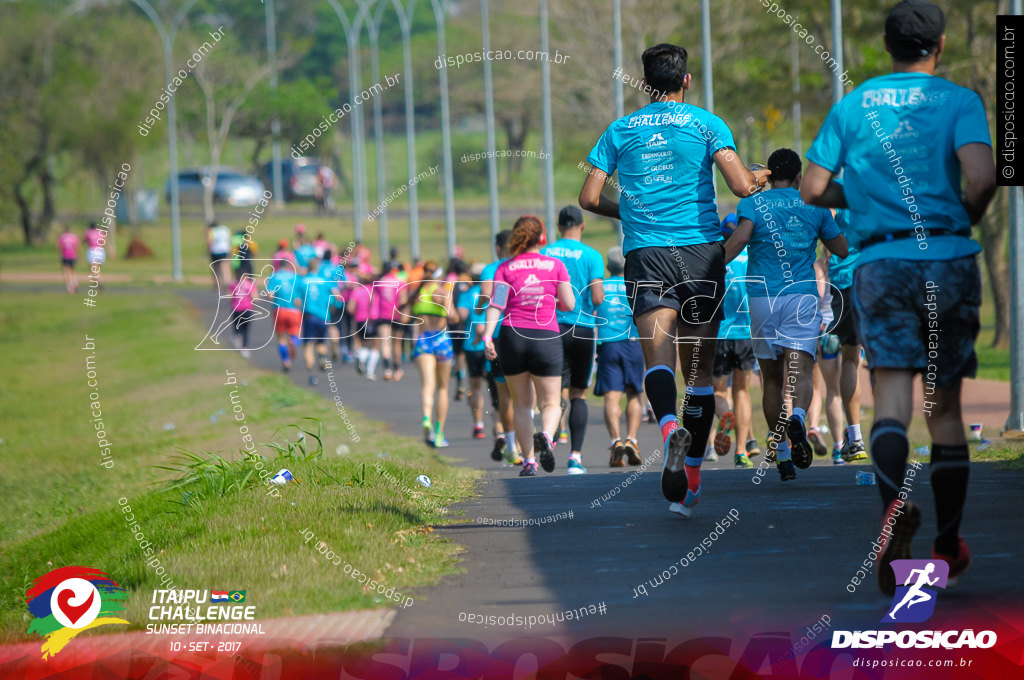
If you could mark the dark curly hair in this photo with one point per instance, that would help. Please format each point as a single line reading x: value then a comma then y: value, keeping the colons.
x: 785, y: 165
x: 526, y: 234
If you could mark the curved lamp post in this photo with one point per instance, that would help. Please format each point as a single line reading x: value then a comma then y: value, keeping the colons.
x: 167, y: 35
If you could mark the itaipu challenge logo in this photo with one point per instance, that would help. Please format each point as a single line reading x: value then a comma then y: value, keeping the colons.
x: 68, y: 600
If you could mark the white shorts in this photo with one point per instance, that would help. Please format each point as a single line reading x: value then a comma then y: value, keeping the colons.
x: 784, y: 322
x: 96, y: 255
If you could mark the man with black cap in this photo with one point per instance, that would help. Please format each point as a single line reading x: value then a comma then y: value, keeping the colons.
x: 586, y: 274
x: 903, y: 141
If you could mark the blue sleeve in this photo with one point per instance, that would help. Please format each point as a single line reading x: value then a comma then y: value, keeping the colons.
x: 829, y: 228
x: 745, y: 210
x: 604, y: 156
x: 828, y: 150
x: 464, y: 301
x: 971, y: 124
x: 721, y: 137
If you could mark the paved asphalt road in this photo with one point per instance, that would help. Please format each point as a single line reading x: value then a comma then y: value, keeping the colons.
x: 787, y: 562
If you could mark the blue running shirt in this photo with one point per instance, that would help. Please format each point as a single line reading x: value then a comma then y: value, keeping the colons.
x: 663, y: 155
x: 584, y: 264
x: 784, y: 241
x: 736, y: 323
x: 895, y: 139
x: 615, y: 317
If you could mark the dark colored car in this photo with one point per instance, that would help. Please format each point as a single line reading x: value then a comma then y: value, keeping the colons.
x: 298, y: 177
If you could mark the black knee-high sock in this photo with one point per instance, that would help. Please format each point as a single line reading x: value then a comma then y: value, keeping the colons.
x: 698, y: 417
x: 660, y: 386
x: 950, y: 469
x: 889, y: 451
x: 578, y: 415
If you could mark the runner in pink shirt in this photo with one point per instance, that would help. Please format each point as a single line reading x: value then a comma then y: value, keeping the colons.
x: 68, y: 245
x: 384, y: 303
x: 529, y: 288
x: 358, y: 307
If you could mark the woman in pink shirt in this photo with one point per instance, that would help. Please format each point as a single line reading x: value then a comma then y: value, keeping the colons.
x: 358, y: 307
x: 68, y: 245
x: 528, y: 289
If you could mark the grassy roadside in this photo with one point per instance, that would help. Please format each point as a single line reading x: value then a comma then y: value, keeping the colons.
x: 218, y: 529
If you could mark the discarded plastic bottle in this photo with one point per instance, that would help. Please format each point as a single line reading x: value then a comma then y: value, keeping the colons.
x: 865, y: 478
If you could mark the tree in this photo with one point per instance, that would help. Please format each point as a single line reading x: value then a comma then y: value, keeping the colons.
x: 226, y: 73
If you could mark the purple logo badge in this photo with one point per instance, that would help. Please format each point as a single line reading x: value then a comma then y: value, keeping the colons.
x: 916, y: 584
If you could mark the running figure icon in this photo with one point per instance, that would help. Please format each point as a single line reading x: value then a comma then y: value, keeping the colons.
x: 916, y: 595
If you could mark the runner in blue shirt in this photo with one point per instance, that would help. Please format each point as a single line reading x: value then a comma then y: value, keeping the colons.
x: 840, y: 273
x: 472, y: 314
x: 501, y: 398
x: 620, y: 364
x: 785, y: 320
x: 319, y: 300
x: 734, y: 362
x: 586, y: 268
x: 665, y: 154
x: 282, y: 288
x: 903, y: 141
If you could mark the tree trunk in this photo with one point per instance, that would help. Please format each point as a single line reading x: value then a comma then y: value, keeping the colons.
x: 49, y: 203
x: 25, y: 213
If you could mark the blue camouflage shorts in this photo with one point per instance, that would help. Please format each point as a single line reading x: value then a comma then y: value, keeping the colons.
x: 921, y: 316
x: 434, y: 342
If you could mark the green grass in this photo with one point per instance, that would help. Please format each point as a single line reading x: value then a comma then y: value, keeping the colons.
x: 215, y: 527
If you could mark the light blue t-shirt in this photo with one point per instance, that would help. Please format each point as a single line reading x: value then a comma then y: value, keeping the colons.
x: 584, y: 264
x: 488, y: 275
x: 840, y: 271
x: 304, y: 253
x: 283, y: 285
x: 895, y: 138
x: 663, y: 155
x: 317, y: 298
x: 469, y: 300
x: 332, y: 272
x: 615, y: 317
x: 736, y: 323
x: 784, y: 241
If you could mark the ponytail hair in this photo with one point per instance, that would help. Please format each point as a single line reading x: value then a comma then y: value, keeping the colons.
x: 527, y: 233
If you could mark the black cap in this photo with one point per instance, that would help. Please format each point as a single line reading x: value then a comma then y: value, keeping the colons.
x: 570, y: 216
x: 914, y: 27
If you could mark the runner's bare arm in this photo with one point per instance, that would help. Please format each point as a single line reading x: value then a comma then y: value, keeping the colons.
x: 838, y: 246
x: 738, y: 241
x: 566, y: 297
x: 592, y: 200
x: 980, y: 171
x: 742, y: 182
x: 817, y: 188
x: 597, y: 292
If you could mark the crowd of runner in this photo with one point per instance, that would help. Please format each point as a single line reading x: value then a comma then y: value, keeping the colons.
x: 860, y: 256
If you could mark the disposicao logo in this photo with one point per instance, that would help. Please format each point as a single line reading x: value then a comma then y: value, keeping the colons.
x: 66, y: 601
x: 914, y: 602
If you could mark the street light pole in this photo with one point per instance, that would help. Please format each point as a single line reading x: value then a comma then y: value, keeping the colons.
x: 167, y: 38
x: 549, y: 143
x: 617, y: 32
x: 358, y: 178
x: 275, y: 124
x: 492, y: 162
x: 439, y: 7
x: 1015, y: 420
x: 837, y: 50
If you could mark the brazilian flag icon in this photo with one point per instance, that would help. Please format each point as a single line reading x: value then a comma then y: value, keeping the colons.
x: 237, y: 596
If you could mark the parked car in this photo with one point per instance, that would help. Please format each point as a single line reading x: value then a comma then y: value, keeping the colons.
x: 298, y: 177
x: 233, y: 188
